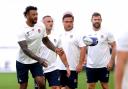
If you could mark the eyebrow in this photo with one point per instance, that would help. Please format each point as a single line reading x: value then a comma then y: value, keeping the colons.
x: 50, y: 21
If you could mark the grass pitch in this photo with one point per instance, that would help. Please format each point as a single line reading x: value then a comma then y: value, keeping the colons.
x: 9, y: 81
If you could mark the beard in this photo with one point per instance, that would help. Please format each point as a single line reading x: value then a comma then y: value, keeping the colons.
x: 97, y: 25
x: 68, y: 28
x: 34, y: 21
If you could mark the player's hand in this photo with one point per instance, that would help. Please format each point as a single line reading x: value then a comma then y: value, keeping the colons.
x: 43, y: 62
x: 110, y: 65
x: 85, y: 62
x: 68, y: 71
x: 79, y: 68
x: 59, y: 51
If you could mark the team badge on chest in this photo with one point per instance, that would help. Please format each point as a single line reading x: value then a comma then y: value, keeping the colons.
x: 28, y: 34
x: 39, y: 31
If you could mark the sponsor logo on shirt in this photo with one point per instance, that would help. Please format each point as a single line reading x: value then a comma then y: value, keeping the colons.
x: 55, y: 40
x: 71, y: 36
x: 102, y: 36
x: 28, y: 34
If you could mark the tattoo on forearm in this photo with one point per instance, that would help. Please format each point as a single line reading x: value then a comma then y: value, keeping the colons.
x: 48, y: 43
x: 28, y: 52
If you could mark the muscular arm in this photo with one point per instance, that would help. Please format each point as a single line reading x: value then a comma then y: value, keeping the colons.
x: 48, y: 43
x: 119, y: 68
x: 112, y: 60
x: 113, y: 46
x: 29, y: 53
x: 82, y: 59
x: 64, y: 60
x: 82, y: 55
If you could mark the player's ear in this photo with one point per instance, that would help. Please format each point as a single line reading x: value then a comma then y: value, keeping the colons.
x: 26, y: 16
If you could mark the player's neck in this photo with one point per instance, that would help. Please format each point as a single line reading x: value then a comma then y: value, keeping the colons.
x: 96, y: 29
x: 29, y: 23
x: 68, y: 30
x: 48, y: 31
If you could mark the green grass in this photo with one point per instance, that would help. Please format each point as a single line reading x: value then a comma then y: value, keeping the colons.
x: 9, y: 81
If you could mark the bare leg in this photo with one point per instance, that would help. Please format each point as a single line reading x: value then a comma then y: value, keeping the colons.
x: 91, y: 85
x: 40, y: 80
x: 23, y: 86
x: 104, y: 85
x: 55, y: 87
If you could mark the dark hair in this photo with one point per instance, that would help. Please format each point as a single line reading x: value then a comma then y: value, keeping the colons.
x: 96, y: 14
x: 46, y: 16
x: 67, y: 15
x: 28, y: 9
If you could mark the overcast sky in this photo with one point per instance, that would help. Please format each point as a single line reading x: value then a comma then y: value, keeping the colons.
x: 114, y: 14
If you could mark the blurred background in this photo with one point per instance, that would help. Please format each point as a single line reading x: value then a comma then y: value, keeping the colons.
x: 114, y: 14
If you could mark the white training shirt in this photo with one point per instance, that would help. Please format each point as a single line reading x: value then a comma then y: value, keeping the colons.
x: 49, y: 55
x: 98, y: 56
x: 33, y: 37
x: 71, y: 42
x: 122, y: 45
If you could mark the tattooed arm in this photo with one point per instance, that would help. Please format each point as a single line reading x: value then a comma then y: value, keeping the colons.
x: 50, y: 45
x: 28, y: 52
